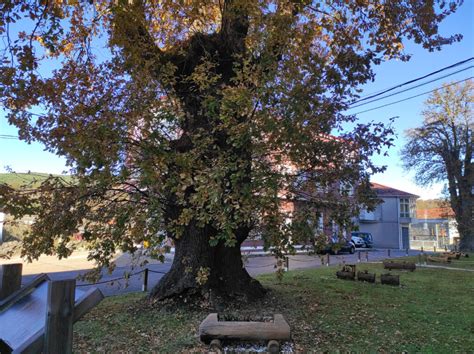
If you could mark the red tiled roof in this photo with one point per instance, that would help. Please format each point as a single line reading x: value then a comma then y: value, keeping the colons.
x: 385, y: 191
x: 434, y: 213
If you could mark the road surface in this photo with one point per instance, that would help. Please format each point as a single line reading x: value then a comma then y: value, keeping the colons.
x: 255, y: 265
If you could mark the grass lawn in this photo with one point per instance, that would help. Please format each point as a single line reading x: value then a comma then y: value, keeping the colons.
x: 433, y: 311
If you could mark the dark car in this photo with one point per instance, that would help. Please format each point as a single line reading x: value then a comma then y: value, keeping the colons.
x: 366, y: 236
x: 335, y: 246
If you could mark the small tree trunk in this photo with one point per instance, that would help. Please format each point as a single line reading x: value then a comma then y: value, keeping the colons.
x: 199, y: 268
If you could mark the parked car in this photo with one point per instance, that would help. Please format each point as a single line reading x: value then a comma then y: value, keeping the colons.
x: 335, y: 246
x: 366, y: 236
x: 358, y: 241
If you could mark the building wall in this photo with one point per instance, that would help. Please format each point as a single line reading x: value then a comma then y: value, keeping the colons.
x: 386, y: 235
x: 386, y: 228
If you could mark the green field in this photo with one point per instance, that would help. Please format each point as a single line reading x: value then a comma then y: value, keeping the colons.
x: 432, y: 312
x: 30, y: 180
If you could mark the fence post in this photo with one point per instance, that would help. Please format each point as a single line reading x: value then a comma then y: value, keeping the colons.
x: 434, y: 249
x: 59, y: 317
x: 358, y: 257
x: 327, y: 259
x: 366, y: 256
x: 406, y: 251
x: 287, y: 264
x: 145, y: 280
x: 388, y: 252
x: 10, y: 279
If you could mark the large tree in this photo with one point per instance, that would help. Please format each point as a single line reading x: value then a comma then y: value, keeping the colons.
x: 183, y: 118
x: 441, y: 149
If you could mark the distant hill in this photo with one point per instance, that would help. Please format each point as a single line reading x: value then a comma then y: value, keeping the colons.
x: 431, y: 203
x: 32, y: 179
x: 433, y: 209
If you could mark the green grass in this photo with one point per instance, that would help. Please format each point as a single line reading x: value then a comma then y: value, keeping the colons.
x: 31, y: 180
x: 432, y: 311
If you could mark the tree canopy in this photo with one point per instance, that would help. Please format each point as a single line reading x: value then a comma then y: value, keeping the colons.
x: 176, y: 116
x: 441, y: 149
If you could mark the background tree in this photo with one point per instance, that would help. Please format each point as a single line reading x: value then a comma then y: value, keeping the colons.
x: 441, y: 150
x: 177, y: 116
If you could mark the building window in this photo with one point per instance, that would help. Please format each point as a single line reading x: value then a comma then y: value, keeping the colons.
x: 407, y: 208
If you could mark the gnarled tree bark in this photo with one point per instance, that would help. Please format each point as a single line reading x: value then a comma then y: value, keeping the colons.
x: 197, y: 267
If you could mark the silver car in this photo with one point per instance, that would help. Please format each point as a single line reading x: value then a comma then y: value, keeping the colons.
x: 358, y: 241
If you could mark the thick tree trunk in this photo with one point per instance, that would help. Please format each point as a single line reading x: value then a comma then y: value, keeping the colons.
x: 199, y: 268
x: 466, y: 238
x: 466, y: 243
x: 463, y: 209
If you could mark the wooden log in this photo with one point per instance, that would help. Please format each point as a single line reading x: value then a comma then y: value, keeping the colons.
x: 345, y: 275
x: 390, y: 279
x: 438, y: 259
x: 347, y: 272
x: 10, y: 279
x: 411, y: 266
x: 59, y: 317
x: 366, y: 276
x: 211, y: 328
x: 452, y: 255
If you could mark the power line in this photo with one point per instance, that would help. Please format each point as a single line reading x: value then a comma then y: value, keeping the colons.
x: 413, y: 87
x: 413, y: 80
x: 409, y: 98
x: 6, y: 136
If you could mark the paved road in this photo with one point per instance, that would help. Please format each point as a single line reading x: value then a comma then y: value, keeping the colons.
x: 255, y: 266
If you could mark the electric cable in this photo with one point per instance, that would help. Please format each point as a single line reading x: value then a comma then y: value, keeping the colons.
x: 413, y: 80
x: 409, y: 98
x: 413, y: 87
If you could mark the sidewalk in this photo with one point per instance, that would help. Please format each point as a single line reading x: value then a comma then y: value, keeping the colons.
x: 49, y: 264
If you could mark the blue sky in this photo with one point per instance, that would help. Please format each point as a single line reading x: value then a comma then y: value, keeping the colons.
x: 22, y: 157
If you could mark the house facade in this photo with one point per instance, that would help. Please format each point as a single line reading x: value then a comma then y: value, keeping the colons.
x: 390, y: 222
x: 434, y: 227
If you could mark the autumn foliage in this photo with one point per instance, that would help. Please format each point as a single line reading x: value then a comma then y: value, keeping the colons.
x: 168, y: 111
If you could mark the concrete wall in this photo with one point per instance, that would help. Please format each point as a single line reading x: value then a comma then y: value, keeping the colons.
x: 386, y: 230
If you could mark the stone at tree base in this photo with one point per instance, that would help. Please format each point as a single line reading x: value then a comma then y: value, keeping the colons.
x: 273, y: 346
x: 215, y: 346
